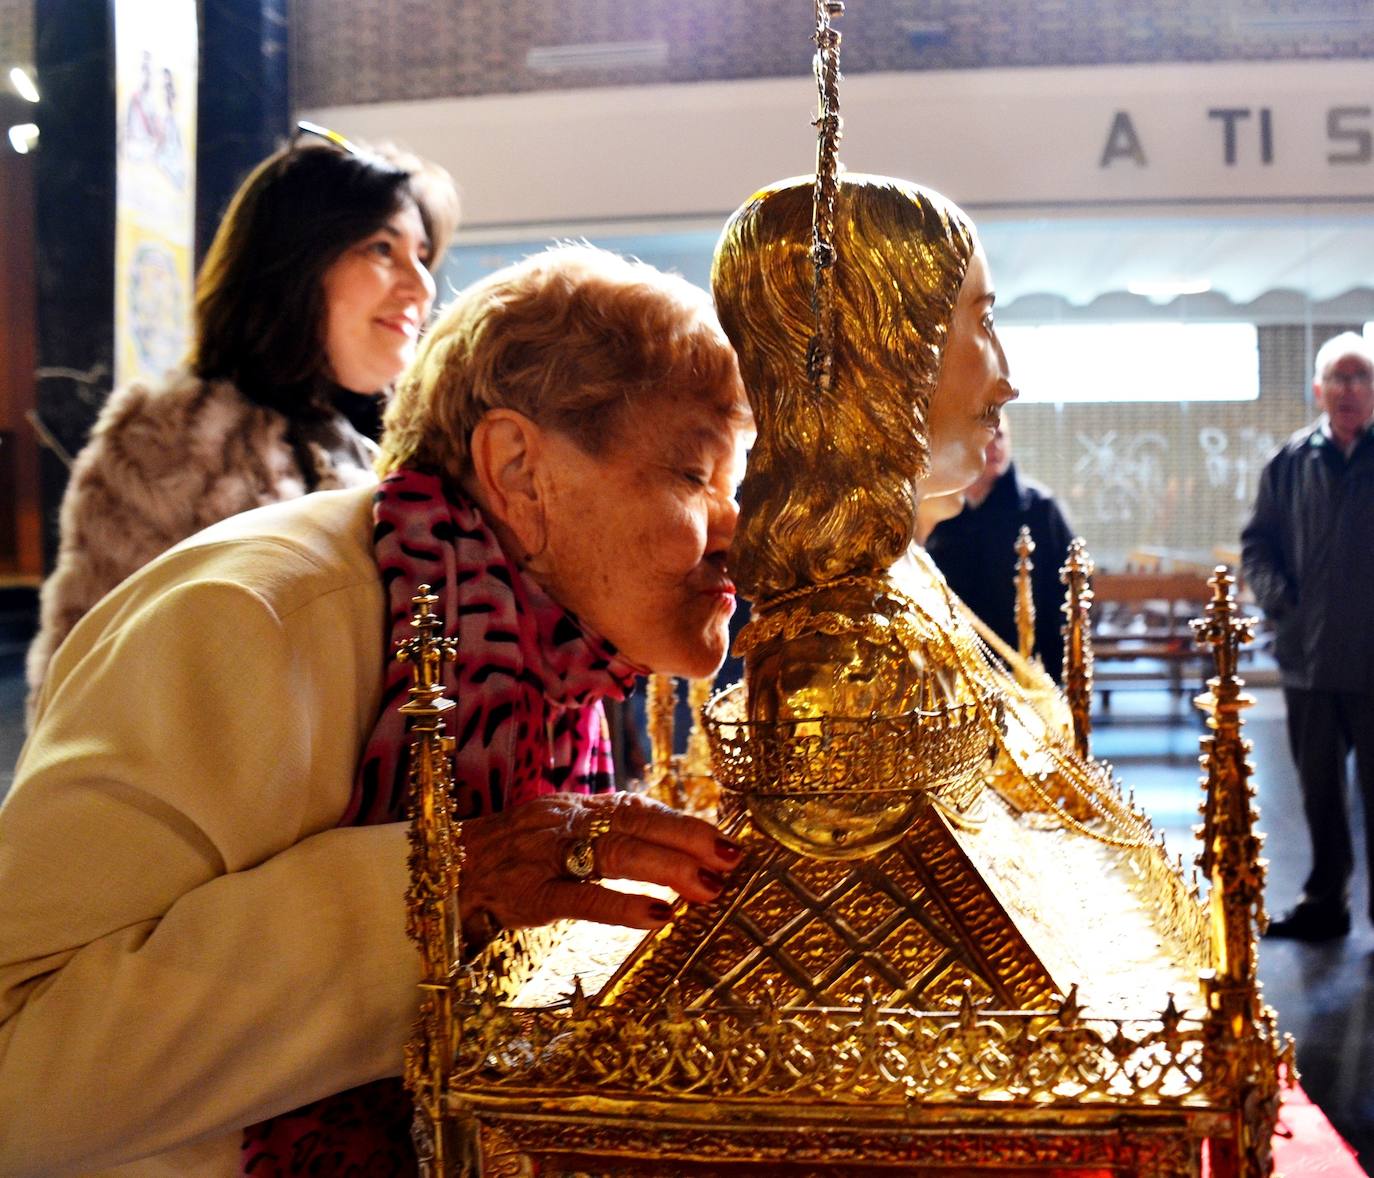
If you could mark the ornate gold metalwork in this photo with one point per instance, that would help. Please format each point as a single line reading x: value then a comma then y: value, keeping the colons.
x: 829, y: 499
x: 820, y: 356
x: 684, y: 782
x: 890, y: 997
x: 853, y: 719
x: 433, y: 918
x: 1025, y: 602
x: 435, y: 868
x: 1078, y: 649
x: 696, y: 761
x: 941, y: 751
x: 831, y: 484
x: 799, y: 931
x: 660, y: 704
x: 1230, y: 859
x: 767, y: 1052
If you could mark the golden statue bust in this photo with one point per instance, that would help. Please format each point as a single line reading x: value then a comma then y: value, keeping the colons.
x: 828, y: 506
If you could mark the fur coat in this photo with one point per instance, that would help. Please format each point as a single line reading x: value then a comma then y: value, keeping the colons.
x: 162, y: 463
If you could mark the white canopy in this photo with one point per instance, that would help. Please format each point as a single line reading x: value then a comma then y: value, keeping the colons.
x: 1215, y: 260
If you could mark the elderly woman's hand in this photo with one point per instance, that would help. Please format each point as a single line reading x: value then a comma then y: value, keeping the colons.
x: 517, y: 861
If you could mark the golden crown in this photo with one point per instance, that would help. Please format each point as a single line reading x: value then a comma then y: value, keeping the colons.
x: 938, y: 749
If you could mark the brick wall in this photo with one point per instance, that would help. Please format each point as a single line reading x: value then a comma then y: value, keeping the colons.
x: 363, y: 51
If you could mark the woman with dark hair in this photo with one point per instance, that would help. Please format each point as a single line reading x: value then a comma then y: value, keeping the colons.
x: 308, y: 305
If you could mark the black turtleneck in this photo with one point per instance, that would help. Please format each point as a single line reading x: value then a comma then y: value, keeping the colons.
x: 363, y: 410
x: 976, y: 551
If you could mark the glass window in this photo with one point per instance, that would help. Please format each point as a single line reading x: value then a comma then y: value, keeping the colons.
x: 1070, y: 363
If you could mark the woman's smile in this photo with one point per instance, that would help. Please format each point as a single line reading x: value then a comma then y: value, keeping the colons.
x: 403, y: 325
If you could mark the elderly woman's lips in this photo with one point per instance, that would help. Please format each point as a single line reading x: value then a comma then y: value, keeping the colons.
x: 724, y: 591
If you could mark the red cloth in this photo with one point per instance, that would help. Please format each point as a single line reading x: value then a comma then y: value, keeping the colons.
x: 1307, y: 1143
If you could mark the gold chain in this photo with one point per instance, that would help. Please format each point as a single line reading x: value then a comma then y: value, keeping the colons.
x: 1016, y: 700
x: 768, y: 623
x: 767, y: 604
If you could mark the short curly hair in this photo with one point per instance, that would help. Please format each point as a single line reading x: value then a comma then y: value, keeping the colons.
x: 572, y: 337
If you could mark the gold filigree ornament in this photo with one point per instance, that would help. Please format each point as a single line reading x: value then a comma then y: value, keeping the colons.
x: 842, y: 787
x: 933, y: 868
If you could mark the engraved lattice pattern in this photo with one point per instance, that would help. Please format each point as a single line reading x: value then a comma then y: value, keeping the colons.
x: 912, y: 927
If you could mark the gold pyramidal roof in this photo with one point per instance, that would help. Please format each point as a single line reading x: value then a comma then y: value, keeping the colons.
x: 914, y: 926
x: 990, y: 906
x: 1000, y: 990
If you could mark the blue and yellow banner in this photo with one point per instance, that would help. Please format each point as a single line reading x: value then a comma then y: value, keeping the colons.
x: 155, y: 193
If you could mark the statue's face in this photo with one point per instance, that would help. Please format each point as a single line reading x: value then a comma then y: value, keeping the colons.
x: 966, y: 407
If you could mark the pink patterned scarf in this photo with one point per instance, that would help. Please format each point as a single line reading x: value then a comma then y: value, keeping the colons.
x: 528, y: 682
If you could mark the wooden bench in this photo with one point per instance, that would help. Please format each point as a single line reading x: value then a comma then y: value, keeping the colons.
x: 1141, y: 631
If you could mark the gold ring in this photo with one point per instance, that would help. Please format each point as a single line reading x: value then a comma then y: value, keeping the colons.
x: 579, y: 860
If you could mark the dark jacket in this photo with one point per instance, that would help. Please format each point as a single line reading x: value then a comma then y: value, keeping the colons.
x: 976, y: 551
x: 1308, y: 555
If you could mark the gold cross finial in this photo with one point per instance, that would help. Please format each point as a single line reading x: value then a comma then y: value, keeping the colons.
x: 1221, y: 628
x: 426, y: 652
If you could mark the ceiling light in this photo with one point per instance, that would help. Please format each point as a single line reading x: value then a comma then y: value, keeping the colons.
x: 597, y: 55
x: 23, y: 84
x: 1170, y: 288
x: 24, y: 137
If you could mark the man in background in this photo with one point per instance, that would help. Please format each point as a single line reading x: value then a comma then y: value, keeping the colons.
x: 976, y: 550
x: 1308, y: 555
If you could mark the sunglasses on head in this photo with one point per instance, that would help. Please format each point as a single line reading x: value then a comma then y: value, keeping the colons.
x: 305, y: 127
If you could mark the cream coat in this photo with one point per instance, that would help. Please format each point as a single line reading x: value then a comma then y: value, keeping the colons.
x: 162, y: 463
x: 187, y: 944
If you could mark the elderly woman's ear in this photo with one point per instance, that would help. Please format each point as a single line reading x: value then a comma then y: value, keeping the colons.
x: 507, y: 450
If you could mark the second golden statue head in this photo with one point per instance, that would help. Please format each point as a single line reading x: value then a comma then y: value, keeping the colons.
x: 834, y: 477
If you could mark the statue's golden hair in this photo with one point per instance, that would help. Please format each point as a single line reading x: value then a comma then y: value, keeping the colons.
x: 831, y: 482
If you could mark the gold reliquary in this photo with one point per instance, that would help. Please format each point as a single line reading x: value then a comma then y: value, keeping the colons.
x: 953, y: 946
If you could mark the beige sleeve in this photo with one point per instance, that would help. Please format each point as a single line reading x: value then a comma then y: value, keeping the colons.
x: 116, y: 516
x: 186, y: 944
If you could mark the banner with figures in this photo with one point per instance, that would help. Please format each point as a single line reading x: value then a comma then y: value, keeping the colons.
x: 156, y: 50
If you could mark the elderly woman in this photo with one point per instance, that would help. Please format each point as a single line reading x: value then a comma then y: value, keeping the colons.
x: 204, y: 858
